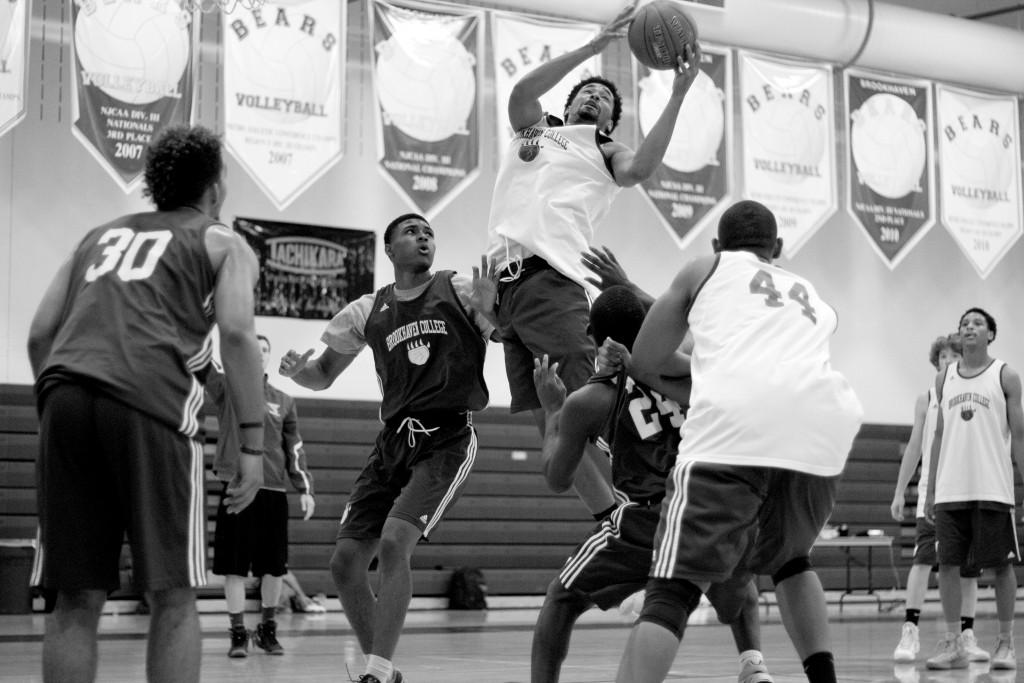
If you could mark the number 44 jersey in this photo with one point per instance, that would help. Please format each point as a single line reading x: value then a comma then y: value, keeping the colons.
x: 764, y: 391
x: 138, y: 314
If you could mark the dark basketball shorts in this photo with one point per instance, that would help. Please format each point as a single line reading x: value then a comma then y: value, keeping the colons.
x: 978, y: 537
x: 924, y: 549
x: 719, y: 518
x: 544, y: 312
x: 256, y: 538
x: 105, y: 470
x: 417, y: 483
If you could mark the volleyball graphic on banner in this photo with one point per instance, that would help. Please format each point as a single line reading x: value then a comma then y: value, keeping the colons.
x: 426, y: 83
x: 786, y: 131
x: 887, y: 140
x: 135, y: 52
x: 699, y: 127
x: 979, y: 167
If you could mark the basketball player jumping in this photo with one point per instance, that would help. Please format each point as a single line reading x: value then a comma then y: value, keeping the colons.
x: 766, y: 437
x: 556, y: 183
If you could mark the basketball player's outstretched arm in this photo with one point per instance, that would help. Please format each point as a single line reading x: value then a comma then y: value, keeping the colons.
x: 317, y: 374
x: 524, y: 108
x: 634, y: 167
x: 911, y: 456
x: 46, y: 321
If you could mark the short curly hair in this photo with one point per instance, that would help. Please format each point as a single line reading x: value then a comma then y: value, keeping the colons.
x: 616, y: 97
x: 181, y: 164
x: 949, y: 341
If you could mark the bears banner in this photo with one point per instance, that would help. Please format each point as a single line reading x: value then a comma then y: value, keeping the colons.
x: 427, y: 62
x: 308, y: 271
x: 890, y: 188
x: 284, y: 92
x: 695, y: 176
x: 14, y: 15
x: 521, y: 44
x: 980, y: 182
x: 788, y: 120
x: 132, y: 77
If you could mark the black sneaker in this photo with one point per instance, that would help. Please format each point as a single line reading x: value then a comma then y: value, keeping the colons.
x: 265, y: 638
x: 367, y: 678
x: 239, y: 642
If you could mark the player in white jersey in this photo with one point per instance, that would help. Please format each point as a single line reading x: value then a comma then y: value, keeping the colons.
x: 944, y: 350
x: 555, y: 185
x: 979, y: 432
x: 767, y: 435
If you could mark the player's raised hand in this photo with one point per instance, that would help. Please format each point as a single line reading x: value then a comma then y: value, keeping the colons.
x: 485, y: 286
x: 292, y: 363
x: 550, y: 389
x: 687, y: 69
x: 616, y: 28
x: 612, y: 357
x: 602, y: 263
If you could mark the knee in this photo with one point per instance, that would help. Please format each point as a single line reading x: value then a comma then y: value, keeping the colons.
x: 346, y: 564
x: 395, y: 549
x: 797, y: 565
x: 172, y: 599
x: 669, y: 602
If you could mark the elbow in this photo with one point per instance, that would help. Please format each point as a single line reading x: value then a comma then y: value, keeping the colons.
x: 556, y: 480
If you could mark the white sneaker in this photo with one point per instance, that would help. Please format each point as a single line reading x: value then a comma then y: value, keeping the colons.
x: 970, y: 645
x: 753, y: 670
x: 1004, y: 657
x: 910, y: 644
x: 949, y: 654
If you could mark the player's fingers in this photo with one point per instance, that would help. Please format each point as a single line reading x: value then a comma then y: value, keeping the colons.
x: 306, y: 355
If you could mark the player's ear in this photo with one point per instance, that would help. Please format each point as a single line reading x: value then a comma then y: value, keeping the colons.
x: 778, y: 248
x: 715, y: 246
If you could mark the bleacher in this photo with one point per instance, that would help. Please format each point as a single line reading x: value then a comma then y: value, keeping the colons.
x: 507, y: 522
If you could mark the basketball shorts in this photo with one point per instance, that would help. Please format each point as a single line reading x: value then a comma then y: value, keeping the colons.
x: 416, y: 482
x: 255, y: 539
x: 542, y: 311
x: 106, y: 470
x: 924, y: 549
x: 978, y: 537
x: 717, y: 518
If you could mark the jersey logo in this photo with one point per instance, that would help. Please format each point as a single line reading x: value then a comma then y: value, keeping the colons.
x: 528, y: 151
x: 418, y: 351
x: 384, y: 307
x: 966, y: 414
x: 274, y: 409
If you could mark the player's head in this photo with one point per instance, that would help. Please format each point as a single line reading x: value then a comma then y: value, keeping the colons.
x: 748, y: 226
x: 184, y: 167
x: 264, y: 350
x: 974, y: 321
x: 945, y: 350
x: 594, y: 100
x: 409, y: 242
x: 617, y: 313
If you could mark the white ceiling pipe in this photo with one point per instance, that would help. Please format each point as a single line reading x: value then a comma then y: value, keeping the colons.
x: 902, y: 40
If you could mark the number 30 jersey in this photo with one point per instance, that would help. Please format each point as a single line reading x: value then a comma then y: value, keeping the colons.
x: 764, y: 391
x: 138, y: 315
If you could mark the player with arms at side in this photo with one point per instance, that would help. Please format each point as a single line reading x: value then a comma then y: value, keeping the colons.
x: 639, y: 429
x: 555, y: 185
x: 118, y: 347
x: 428, y: 333
x: 767, y: 435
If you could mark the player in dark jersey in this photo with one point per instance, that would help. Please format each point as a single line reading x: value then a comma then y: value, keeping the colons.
x: 118, y: 348
x: 428, y: 333
x: 639, y: 429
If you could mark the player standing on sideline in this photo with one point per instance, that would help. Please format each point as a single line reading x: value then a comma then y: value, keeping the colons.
x: 944, y: 350
x: 639, y: 429
x: 979, y: 432
x: 428, y: 333
x: 257, y: 539
x: 767, y: 435
x: 117, y: 347
x: 556, y: 183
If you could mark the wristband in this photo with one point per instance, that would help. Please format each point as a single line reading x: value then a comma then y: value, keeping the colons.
x: 250, y: 425
x: 250, y: 451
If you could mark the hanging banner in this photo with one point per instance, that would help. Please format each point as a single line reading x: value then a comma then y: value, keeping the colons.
x: 980, y: 183
x: 284, y: 92
x: 132, y: 78
x: 14, y: 15
x: 308, y: 271
x: 521, y: 44
x: 427, y: 62
x: 890, y: 179
x: 695, y: 177
x: 788, y: 121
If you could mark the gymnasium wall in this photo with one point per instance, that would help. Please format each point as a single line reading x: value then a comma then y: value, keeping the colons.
x: 52, y: 191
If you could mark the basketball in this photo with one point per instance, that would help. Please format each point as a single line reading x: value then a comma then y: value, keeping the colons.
x: 658, y: 33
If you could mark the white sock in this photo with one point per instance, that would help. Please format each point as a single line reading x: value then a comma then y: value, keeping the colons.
x: 379, y: 667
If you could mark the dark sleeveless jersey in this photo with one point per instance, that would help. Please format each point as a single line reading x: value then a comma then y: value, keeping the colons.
x: 428, y: 352
x: 138, y: 314
x: 642, y: 435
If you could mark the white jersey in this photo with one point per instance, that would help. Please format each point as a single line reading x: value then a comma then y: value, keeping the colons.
x: 764, y: 392
x: 553, y: 188
x: 975, y: 462
x: 927, y: 439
